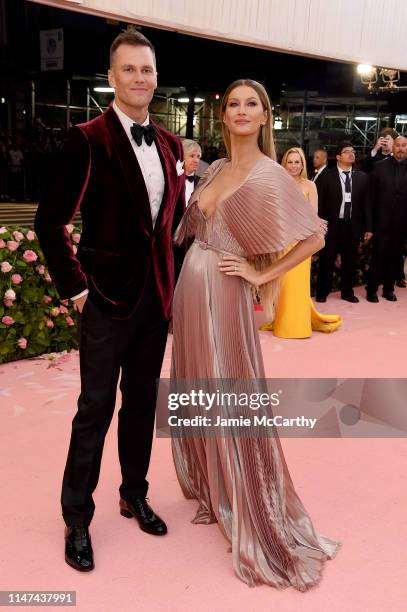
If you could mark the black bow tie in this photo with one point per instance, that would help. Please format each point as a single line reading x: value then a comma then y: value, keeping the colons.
x: 138, y: 131
x: 190, y: 178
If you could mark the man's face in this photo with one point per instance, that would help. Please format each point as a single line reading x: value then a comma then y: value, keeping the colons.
x: 191, y: 161
x: 347, y: 156
x: 319, y: 159
x: 133, y: 76
x: 400, y: 148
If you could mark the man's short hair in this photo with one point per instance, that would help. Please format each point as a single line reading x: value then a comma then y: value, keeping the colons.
x: 130, y: 36
x: 322, y: 151
x: 343, y: 145
x: 190, y: 145
x: 387, y: 131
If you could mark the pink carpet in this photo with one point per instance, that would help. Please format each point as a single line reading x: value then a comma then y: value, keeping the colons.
x: 354, y: 489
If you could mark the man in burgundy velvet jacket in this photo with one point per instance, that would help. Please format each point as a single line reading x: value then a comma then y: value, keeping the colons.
x: 126, y: 177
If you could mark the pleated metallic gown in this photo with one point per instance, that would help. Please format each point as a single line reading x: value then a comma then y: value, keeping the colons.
x: 241, y: 483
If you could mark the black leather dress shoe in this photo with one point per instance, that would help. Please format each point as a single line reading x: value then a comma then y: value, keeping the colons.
x: 401, y: 283
x: 372, y: 297
x: 78, y: 549
x: 148, y: 521
x: 390, y: 296
x: 320, y: 298
x: 350, y: 298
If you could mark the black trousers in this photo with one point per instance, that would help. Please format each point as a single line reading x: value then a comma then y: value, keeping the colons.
x: 339, y: 239
x: 385, y: 266
x: 107, y: 346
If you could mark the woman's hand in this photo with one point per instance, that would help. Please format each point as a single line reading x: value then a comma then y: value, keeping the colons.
x: 232, y: 265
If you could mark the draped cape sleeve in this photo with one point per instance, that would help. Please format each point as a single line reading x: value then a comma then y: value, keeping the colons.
x: 269, y: 212
x: 187, y: 227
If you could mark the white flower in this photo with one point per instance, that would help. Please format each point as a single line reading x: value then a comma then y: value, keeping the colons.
x: 10, y: 294
x: 3, y: 230
x: 180, y: 168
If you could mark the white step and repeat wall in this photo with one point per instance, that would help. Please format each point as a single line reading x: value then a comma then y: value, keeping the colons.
x: 358, y: 31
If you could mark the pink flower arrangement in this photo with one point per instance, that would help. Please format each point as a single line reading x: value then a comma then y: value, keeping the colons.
x: 76, y: 238
x: 47, y: 299
x: 8, y: 320
x: 54, y: 311
x: 63, y: 310
x: 70, y: 321
x: 47, y: 278
x: 64, y: 302
x: 2, y: 244
x: 5, y: 267
x: 30, y: 235
x: 7, y: 302
x: 22, y: 343
x: 3, y: 230
x: 12, y: 245
x: 49, y: 323
x: 16, y: 279
x: 30, y: 256
x: 40, y: 269
x: 18, y: 235
x: 69, y: 228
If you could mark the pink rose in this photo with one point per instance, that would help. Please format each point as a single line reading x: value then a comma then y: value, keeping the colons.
x: 30, y: 235
x: 70, y: 321
x: 40, y: 269
x: 10, y: 294
x: 47, y: 299
x: 16, y: 279
x: 2, y: 244
x: 8, y: 320
x: 5, y: 267
x: 64, y: 302
x: 47, y: 278
x: 54, y: 311
x: 8, y: 302
x: 63, y: 310
x: 76, y: 238
x: 49, y: 323
x: 22, y: 343
x: 12, y: 245
x: 3, y: 230
x: 30, y: 256
x: 18, y: 235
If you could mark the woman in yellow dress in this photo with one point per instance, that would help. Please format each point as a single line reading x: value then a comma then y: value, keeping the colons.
x: 296, y: 315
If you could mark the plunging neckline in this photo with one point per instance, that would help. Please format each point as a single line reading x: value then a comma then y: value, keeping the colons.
x: 221, y: 166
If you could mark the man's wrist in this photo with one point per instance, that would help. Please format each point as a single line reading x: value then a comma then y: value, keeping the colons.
x: 79, y: 295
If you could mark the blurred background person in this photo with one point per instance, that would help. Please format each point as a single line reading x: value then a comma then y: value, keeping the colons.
x: 296, y: 315
x: 192, y: 156
x: 320, y: 163
x: 388, y: 194
x: 383, y: 149
x: 343, y: 201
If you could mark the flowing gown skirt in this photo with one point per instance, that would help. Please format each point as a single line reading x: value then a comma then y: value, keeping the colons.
x: 241, y: 483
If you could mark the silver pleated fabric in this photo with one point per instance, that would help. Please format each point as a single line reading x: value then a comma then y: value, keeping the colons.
x: 241, y: 483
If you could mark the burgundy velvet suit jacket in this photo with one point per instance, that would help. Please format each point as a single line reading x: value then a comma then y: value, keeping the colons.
x: 99, y: 173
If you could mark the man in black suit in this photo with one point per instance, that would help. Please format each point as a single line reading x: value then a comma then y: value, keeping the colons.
x: 382, y: 150
x: 343, y: 202
x: 320, y: 164
x: 192, y: 156
x: 388, y: 194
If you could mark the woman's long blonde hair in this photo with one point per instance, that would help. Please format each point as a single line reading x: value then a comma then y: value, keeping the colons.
x: 269, y: 291
x: 300, y: 152
x: 265, y: 140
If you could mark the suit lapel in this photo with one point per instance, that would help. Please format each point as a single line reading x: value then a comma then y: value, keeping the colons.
x: 168, y: 163
x: 131, y: 169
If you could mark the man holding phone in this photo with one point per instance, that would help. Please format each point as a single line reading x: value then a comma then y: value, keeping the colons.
x: 383, y: 149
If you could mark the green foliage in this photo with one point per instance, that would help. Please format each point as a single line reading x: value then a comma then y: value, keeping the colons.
x: 31, y: 314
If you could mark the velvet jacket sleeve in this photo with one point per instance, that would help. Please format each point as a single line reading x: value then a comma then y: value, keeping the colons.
x: 57, y: 207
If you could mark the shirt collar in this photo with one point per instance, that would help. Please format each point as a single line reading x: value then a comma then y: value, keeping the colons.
x: 127, y: 121
x: 343, y: 171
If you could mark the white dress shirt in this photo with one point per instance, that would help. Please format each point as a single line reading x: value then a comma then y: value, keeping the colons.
x: 189, y: 188
x: 150, y: 166
x: 342, y: 177
x: 316, y: 175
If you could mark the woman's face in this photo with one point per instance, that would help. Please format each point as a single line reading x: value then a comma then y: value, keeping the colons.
x: 294, y: 164
x: 244, y: 114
